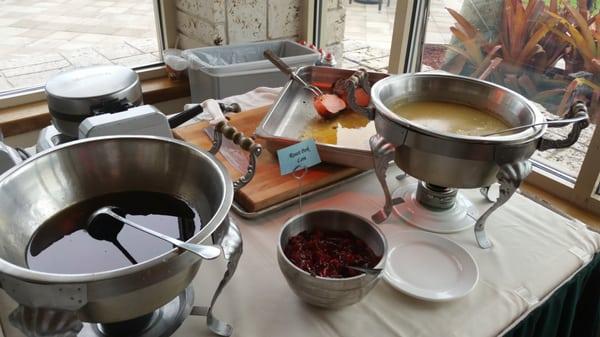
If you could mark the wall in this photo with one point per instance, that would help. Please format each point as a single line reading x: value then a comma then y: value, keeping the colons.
x: 208, y: 22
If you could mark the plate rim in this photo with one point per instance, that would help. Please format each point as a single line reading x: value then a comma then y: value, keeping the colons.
x: 435, y: 236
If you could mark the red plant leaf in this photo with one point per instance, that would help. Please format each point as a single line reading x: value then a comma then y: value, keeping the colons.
x: 470, y: 44
x: 582, y: 26
x: 463, y: 53
x: 491, y: 66
x: 485, y: 64
x: 574, y: 37
x: 520, y: 28
x: 582, y: 6
x: 534, y: 10
x: 553, y: 6
x: 466, y: 26
x: 507, y: 24
x: 532, y: 44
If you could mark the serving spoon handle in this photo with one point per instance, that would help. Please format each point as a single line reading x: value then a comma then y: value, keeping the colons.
x: 370, y: 271
x: 204, y: 251
x: 527, y: 126
x: 278, y: 62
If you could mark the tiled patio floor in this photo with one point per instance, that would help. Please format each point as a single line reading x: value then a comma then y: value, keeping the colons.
x: 368, y: 32
x: 40, y: 38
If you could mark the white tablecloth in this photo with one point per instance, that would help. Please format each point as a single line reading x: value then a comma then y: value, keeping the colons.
x: 535, y: 251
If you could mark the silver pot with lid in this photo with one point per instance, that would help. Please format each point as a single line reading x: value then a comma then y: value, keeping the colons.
x: 80, y: 93
x: 451, y: 160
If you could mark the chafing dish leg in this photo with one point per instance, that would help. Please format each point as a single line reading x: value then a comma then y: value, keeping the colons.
x: 231, y: 242
x: 35, y: 322
x: 510, y: 177
x: 485, y: 191
x: 383, y: 153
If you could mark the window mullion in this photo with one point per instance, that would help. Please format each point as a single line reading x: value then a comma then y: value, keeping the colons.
x: 588, y: 178
x: 165, y: 16
x: 308, y: 21
x: 401, y: 36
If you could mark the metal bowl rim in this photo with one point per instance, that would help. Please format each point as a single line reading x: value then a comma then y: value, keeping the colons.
x: 67, y: 99
x: 519, y: 137
x: 219, y: 216
x: 379, y: 264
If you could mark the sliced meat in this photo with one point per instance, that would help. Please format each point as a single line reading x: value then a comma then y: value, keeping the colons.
x: 328, y: 105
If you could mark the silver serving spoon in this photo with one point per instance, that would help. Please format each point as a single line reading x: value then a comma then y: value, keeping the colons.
x: 278, y: 62
x: 527, y: 126
x: 371, y: 271
x: 204, y: 251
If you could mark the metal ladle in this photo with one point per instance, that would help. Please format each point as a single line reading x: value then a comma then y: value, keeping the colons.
x: 527, y: 126
x: 101, y: 230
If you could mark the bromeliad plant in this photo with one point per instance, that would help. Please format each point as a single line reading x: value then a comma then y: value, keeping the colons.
x: 533, y: 37
x: 519, y: 57
x: 582, y: 33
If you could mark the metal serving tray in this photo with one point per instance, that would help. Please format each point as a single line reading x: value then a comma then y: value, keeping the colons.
x: 289, y: 117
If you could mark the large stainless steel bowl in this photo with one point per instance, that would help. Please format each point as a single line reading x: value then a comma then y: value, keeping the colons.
x: 453, y: 160
x: 323, y: 291
x: 58, y: 178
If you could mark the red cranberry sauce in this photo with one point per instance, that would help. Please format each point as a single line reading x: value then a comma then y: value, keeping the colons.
x: 327, y: 253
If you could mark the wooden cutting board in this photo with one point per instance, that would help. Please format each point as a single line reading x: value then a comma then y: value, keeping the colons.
x: 268, y: 187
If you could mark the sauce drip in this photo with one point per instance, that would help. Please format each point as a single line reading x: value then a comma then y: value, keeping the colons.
x: 348, y: 129
x: 449, y: 118
x: 63, y: 246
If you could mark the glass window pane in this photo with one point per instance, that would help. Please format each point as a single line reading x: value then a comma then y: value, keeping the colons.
x: 41, y: 38
x: 368, y: 34
x: 531, y: 47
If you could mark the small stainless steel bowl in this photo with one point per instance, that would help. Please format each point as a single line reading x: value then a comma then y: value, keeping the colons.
x: 323, y: 291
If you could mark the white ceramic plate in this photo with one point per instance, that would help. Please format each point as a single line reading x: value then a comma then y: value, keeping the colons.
x: 429, y: 267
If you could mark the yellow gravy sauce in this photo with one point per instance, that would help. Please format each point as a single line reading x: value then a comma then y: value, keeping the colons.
x: 449, y: 117
x: 349, y: 129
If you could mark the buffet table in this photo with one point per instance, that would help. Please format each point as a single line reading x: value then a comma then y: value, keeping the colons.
x: 540, y: 274
x: 540, y: 278
x: 536, y: 251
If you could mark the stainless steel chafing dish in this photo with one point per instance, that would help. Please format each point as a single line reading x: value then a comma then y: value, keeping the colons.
x: 51, y: 181
x: 452, y: 160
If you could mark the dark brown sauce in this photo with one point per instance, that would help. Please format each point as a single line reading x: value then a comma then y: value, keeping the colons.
x: 63, y: 246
